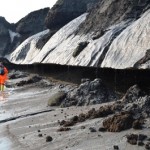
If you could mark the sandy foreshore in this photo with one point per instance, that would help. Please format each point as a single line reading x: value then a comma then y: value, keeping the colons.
x: 26, y: 121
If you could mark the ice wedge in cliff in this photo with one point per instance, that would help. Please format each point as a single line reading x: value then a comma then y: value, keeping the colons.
x: 131, y: 45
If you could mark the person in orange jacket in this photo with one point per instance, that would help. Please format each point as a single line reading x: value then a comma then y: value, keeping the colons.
x: 3, y: 76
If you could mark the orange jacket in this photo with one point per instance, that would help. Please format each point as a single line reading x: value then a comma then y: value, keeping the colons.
x: 4, y: 77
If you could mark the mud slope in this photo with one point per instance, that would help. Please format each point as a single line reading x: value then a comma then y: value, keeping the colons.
x: 26, y: 122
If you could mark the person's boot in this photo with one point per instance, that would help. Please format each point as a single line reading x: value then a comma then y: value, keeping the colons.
x: 2, y: 87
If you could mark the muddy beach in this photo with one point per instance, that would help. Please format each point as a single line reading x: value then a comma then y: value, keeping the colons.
x: 31, y: 117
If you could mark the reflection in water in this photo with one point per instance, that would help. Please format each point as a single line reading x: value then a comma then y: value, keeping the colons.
x: 3, y: 96
x: 3, y: 99
x: 5, y: 144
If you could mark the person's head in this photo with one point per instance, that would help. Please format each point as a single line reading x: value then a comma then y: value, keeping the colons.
x: 1, y: 64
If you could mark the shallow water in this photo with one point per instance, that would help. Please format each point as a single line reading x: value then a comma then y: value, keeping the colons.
x: 5, y: 144
x: 18, y: 102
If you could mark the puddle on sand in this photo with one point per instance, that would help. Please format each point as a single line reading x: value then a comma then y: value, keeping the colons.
x: 3, y: 100
x: 5, y: 144
x: 3, y: 96
x: 4, y: 115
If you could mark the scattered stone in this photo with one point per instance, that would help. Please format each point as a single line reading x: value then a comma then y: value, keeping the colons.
x: 98, y: 34
x: 117, y: 107
x: 34, y: 79
x: 132, y: 139
x: 128, y: 112
x: 140, y: 143
x: 62, y: 122
x: 118, y: 122
x: 79, y: 48
x: 137, y: 124
x: 132, y: 94
x: 101, y: 129
x: 88, y: 93
x: 91, y: 114
x: 75, y: 118
x: 116, y: 147
x: 82, y: 117
x: 92, y: 129
x: 61, y: 86
x: 142, y: 137
x: 103, y: 111
x: 147, y: 146
x: 148, y: 139
x: 63, y: 129
x: 68, y: 123
x: 49, y: 139
x: 40, y: 135
x: 17, y: 74
x: 82, y: 127
x: 39, y: 130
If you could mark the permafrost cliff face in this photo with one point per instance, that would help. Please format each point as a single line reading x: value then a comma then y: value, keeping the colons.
x: 60, y: 48
x: 89, y: 56
x: 131, y: 45
x: 120, y: 45
x: 26, y: 51
x: 57, y: 49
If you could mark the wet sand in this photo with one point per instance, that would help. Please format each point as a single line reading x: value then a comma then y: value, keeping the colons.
x: 26, y: 121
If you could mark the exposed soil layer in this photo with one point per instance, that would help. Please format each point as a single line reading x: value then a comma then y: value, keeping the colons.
x: 119, y: 80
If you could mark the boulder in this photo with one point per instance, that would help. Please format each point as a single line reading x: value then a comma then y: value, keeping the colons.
x: 79, y: 48
x: 56, y: 99
x: 132, y: 94
x: 118, y: 122
x: 89, y: 92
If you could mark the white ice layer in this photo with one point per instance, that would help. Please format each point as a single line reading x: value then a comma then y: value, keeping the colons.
x: 59, y: 49
x: 13, y: 35
x: 55, y: 49
x: 26, y: 51
x: 131, y: 45
x: 130, y: 40
x: 93, y: 52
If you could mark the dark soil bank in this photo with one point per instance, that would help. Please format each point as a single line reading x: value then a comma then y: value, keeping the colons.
x: 119, y: 80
